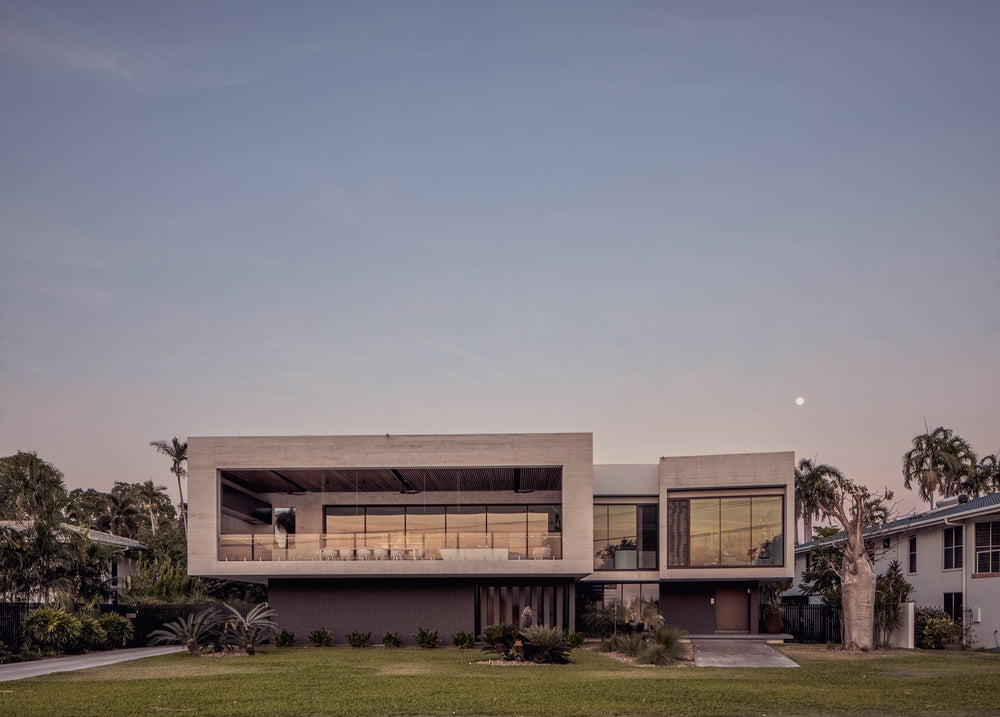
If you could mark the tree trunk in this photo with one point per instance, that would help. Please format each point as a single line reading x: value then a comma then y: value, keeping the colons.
x: 807, y: 527
x: 858, y: 594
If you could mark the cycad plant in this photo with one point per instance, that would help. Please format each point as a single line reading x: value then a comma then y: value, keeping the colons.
x: 193, y: 631
x: 545, y: 644
x: 500, y: 639
x: 249, y: 632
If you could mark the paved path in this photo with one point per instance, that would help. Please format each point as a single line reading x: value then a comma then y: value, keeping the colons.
x: 737, y: 653
x: 21, y: 670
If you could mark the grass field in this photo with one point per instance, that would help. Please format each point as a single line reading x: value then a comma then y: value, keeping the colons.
x: 345, y: 681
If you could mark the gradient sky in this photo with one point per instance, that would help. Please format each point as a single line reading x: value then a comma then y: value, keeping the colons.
x: 656, y: 221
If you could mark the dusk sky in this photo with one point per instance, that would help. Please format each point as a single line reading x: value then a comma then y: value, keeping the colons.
x: 657, y: 221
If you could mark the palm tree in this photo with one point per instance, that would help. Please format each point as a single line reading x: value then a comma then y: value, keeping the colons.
x: 42, y: 543
x: 177, y: 451
x: 988, y: 474
x: 940, y: 461
x: 810, y: 487
x: 122, y: 515
x: 150, y: 494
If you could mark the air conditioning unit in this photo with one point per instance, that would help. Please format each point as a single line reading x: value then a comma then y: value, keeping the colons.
x: 976, y: 614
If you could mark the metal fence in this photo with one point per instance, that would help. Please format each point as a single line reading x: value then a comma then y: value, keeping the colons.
x: 809, y: 623
x: 145, y: 619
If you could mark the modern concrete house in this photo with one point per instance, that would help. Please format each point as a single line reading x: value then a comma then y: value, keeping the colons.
x: 457, y: 532
x: 951, y: 557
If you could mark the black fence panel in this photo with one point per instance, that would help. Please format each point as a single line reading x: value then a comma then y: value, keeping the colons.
x: 12, y: 617
x: 808, y: 623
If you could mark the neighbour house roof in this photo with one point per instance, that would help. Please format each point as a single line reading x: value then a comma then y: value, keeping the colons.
x: 939, y: 516
x: 98, y: 536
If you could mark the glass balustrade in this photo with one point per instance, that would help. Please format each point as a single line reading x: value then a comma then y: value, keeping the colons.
x: 391, y: 545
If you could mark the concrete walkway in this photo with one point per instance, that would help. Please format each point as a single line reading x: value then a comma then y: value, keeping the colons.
x: 21, y: 670
x: 737, y: 653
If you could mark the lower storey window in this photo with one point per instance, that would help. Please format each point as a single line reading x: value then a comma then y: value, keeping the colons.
x: 725, y: 532
x: 953, y: 606
x: 604, y: 606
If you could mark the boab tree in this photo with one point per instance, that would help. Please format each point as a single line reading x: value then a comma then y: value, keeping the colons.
x: 854, y: 508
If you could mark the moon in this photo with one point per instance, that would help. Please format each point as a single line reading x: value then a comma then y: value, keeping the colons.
x: 800, y: 401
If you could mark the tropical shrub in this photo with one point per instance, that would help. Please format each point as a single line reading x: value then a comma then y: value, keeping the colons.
x: 283, y: 638
x: 545, y: 644
x: 601, y: 620
x: 321, y: 637
x: 891, y: 590
x: 392, y: 639
x: 427, y: 638
x: 574, y: 639
x: 52, y: 629
x: 665, y: 648
x: 933, y: 629
x: 249, y: 632
x: 118, y: 628
x: 358, y: 639
x: 4, y: 652
x: 463, y: 640
x: 194, y: 631
x: 92, y: 634
x: 630, y: 643
x: 500, y: 639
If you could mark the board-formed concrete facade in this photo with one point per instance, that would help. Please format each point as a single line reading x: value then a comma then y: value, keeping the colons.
x: 455, y: 532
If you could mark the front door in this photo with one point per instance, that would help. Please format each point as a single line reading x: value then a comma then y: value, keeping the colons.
x: 732, y: 610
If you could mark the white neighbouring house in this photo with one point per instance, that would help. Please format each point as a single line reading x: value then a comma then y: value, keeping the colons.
x: 951, y: 556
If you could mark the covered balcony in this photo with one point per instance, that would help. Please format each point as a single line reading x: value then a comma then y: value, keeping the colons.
x: 495, y: 513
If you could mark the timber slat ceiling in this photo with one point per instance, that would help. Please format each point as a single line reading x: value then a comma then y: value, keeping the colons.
x: 347, y: 480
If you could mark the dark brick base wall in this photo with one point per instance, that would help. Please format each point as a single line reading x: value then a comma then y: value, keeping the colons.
x: 690, y: 605
x: 376, y: 606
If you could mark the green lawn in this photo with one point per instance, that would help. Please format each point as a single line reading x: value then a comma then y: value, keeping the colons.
x: 345, y: 681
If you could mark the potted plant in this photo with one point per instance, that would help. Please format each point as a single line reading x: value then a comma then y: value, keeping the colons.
x: 624, y: 554
x: 770, y: 600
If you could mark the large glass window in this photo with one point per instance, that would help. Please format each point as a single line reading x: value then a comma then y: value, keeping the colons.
x: 425, y: 530
x: 451, y: 532
x: 625, y: 537
x: 735, y: 531
x: 466, y: 525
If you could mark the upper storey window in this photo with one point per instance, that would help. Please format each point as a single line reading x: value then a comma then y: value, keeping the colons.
x: 625, y: 537
x: 743, y: 531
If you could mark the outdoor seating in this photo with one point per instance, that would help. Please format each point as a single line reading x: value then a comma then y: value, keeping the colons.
x: 381, y: 553
x: 363, y: 553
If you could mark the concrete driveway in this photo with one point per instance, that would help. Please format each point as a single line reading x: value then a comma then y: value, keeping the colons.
x: 21, y: 670
x: 737, y: 653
